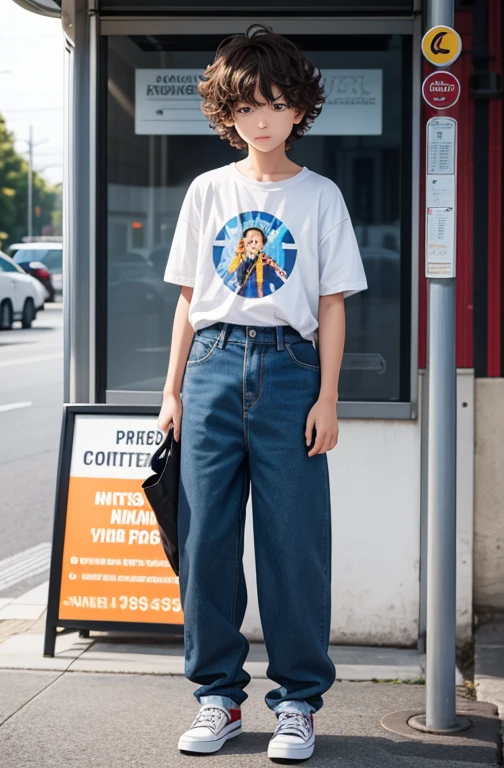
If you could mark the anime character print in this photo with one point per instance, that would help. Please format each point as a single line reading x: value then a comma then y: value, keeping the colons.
x: 254, y: 254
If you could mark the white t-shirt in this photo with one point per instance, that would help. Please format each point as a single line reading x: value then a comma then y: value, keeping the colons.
x: 262, y: 252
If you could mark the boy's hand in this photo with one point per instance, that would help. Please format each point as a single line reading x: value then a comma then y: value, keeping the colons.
x: 171, y: 412
x: 324, y: 419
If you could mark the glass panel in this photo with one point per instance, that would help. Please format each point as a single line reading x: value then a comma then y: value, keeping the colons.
x: 29, y: 254
x: 53, y: 260
x: 7, y: 266
x: 148, y: 176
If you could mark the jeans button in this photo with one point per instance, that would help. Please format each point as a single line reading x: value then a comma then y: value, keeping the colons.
x: 252, y: 333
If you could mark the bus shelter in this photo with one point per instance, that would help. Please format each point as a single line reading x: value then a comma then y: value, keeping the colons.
x: 135, y: 138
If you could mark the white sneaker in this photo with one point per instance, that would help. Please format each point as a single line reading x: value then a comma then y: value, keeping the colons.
x: 293, y: 738
x: 212, y: 727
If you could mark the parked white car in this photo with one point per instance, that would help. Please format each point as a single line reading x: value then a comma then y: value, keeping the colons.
x: 49, y: 254
x: 21, y: 295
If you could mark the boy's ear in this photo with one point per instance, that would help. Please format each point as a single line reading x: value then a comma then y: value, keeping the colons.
x: 299, y: 116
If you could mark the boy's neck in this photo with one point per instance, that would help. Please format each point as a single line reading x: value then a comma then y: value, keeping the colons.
x: 268, y: 166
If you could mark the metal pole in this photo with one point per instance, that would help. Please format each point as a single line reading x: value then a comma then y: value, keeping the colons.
x: 30, y: 183
x: 441, y: 525
x: 441, y: 484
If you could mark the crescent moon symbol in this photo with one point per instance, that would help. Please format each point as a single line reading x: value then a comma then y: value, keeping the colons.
x: 437, y: 41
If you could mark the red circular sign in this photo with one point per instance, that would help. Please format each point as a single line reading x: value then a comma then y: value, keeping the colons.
x: 441, y: 90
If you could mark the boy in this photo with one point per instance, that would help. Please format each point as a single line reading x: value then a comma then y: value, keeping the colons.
x: 259, y: 354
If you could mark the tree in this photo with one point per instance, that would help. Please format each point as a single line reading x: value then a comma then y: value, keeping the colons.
x: 14, y: 194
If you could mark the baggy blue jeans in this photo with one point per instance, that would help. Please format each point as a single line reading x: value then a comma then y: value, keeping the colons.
x: 246, y: 395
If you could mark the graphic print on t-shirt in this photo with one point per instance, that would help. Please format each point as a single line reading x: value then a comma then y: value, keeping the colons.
x: 254, y: 254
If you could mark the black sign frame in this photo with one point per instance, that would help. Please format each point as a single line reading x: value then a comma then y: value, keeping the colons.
x: 53, y: 621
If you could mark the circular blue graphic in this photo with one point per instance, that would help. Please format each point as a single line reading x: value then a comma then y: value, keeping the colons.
x: 254, y: 254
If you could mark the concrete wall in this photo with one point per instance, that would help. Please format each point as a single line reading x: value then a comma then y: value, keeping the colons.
x: 489, y: 497
x: 465, y: 503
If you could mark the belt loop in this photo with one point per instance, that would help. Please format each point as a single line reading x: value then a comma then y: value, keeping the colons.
x: 224, y: 335
x: 279, y: 338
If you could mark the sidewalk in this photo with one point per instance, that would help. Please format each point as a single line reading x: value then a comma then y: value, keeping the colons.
x: 113, y: 701
x: 111, y: 721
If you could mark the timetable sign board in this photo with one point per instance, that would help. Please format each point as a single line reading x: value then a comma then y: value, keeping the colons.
x: 441, y: 189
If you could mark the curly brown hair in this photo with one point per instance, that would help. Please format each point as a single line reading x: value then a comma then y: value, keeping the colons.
x: 259, y: 57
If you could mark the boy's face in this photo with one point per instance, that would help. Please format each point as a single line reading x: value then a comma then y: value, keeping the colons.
x: 253, y: 242
x: 267, y: 126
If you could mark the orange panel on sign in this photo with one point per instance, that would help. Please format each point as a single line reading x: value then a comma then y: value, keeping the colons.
x: 114, y: 567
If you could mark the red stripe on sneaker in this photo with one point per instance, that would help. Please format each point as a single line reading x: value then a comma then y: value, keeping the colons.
x: 235, y: 715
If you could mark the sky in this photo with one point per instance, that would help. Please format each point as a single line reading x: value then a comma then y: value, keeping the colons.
x: 31, y: 85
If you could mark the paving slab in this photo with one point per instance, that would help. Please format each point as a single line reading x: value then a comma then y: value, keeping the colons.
x: 25, y: 651
x: 17, y: 688
x: 115, y: 721
x: 118, y: 653
x: 167, y: 657
x: 30, y: 605
x: 125, y: 653
x: 21, y: 611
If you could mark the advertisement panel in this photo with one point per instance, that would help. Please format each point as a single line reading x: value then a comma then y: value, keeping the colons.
x: 167, y: 103
x: 109, y: 566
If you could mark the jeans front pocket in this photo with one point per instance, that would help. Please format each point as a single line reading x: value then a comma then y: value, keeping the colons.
x: 202, y: 348
x: 304, y: 354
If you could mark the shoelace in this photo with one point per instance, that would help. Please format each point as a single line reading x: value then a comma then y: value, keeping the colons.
x: 209, y: 717
x: 293, y: 722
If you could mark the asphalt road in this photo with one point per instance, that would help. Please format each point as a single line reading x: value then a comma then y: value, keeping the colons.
x: 31, y: 397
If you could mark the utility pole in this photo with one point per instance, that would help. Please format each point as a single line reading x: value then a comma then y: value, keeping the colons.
x: 30, y: 183
x: 441, y: 46
x: 442, y: 472
x: 31, y: 146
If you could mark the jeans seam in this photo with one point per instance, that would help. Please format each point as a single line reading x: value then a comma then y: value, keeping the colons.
x: 300, y: 362
x: 325, y: 550
x: 237, y: 568
x: 244, y: 406
x: 205, y: 357
x: 261, y: 375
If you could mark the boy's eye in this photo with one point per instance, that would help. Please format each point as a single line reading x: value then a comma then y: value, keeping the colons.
x: 279, y: 107
x: 244, y: 110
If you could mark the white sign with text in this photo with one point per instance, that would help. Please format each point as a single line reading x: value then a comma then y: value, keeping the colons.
x: 167, y: 103
x: 441, y: 194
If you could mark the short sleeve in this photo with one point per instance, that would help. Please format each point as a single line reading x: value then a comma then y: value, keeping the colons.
x: 340, y: 263
x: 183, y: 256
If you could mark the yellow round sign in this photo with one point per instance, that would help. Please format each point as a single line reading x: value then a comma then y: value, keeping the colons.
x: 441, y: 46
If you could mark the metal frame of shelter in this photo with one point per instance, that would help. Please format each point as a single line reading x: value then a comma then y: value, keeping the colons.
x: 85, y: 225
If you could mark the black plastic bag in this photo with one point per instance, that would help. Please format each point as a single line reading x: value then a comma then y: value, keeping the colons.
x: 161, y: 490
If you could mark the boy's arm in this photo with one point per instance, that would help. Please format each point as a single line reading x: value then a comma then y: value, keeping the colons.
x: 182, y: 336
x: 331, y: 344
x: 323, y: 416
